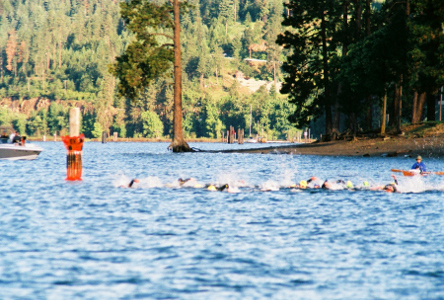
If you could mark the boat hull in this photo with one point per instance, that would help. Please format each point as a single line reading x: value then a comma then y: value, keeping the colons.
x: 16, y: 152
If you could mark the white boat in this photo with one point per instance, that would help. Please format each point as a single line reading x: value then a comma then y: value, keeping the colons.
x: 15, y: 151
x: 17, y: 148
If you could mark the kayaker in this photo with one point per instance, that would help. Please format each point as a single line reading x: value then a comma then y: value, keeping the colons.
x: 419, y: 165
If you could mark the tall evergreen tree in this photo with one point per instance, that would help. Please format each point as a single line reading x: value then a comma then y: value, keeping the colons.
x: 308, y: 80
x: 147, y: 59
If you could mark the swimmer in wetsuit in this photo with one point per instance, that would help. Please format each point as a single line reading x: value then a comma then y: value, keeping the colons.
x: 135, y: 180
x: 212, y: 187
x: 389, y: 188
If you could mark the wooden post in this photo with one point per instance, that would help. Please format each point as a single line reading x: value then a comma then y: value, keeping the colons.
x: 115, y: 135
x: 104, y: 136
x: 74, y: 121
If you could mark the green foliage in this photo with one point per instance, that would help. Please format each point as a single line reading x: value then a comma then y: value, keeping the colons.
x: 350, y: 63
x: 64, y: 50
x: 98, y: 129
x: 58, y: 118
x: 152, y: 125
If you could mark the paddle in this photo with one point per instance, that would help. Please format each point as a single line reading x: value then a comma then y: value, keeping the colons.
x: 396, y: 170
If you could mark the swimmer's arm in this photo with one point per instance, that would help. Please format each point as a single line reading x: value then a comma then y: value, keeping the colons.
x: 394, y: 177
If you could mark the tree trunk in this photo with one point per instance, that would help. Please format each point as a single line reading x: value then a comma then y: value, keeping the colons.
x: 384, y: 113
x: 399, y: 123
x: 336, y: 113
x: 60, y: 54
x: 328, y: 120
x: 369, y: 113
x: 415, y: 107
x: 178, y: 144
x: 358, y: 11
x: 369, y: 116
x: 353, y: 124
x: 217, y: 77
x: 235, y: 12
x: 394, y: 112
x: 275, y: 78
x: 368, y: 17
x: 420, y: 110
x: 201, y: 81
x: 430, y: 107
x: 1, y: 67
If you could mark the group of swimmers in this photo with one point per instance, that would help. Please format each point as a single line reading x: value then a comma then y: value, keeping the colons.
x: 311, y: 183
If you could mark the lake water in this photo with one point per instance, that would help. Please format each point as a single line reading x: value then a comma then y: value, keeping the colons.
x: 95, y: 240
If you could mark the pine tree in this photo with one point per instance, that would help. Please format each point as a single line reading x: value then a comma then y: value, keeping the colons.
x: 145, y: 59
x: 308, y: 78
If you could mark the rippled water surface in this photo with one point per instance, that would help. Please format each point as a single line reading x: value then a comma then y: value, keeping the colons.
x: 96, y: 240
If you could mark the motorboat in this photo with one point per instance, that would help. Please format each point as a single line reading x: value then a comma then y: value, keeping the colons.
x: 16, y: 151
x: 17, y: 148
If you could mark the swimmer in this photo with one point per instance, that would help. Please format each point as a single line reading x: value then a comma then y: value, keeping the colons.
x: 365, y: 186
x: 212, y: 187
x: 303, y: 185
x: 183, y: 181
x: 326, y: 185
x: 389, y: 188
x: 314, y: 182
x: 130, y: 185
x: 225, y: 186
x: 135, y: 180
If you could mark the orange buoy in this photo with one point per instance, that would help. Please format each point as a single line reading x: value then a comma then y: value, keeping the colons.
x: 74, y: 145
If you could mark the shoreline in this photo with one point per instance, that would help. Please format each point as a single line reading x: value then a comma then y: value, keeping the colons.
x: 431, y: 147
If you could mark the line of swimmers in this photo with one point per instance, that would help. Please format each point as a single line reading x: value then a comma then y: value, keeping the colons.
x: 312, y: 183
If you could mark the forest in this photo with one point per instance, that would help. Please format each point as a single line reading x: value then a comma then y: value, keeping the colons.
x: 360, y: 66
x: 281, y: 66
x: 61, y: 51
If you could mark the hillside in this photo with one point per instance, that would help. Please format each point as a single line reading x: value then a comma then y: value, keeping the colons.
x: 57, y: 53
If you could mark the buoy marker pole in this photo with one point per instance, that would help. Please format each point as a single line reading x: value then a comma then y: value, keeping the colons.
x: 74, y: 145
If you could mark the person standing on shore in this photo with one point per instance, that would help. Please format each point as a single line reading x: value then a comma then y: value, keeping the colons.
x: 419, y: 165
